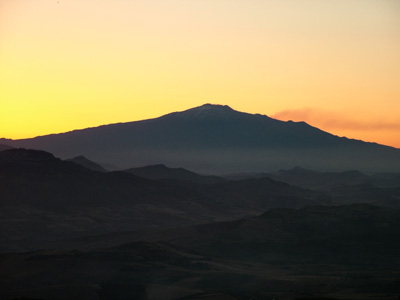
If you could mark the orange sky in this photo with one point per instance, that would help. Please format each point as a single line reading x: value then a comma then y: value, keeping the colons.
x: 71, y: 64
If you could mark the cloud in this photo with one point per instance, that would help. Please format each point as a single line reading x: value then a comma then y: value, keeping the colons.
x: 329, y: 120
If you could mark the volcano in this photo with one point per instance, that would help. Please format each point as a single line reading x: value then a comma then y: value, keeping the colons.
x: 217, y: 139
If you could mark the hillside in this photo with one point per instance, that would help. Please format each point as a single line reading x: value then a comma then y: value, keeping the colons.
x: 45, y: 198
x: 163, y: 172
x: 83, y: 161
x: 346, y: 252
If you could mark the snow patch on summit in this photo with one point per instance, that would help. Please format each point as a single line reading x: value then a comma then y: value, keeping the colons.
x: 208, y: 111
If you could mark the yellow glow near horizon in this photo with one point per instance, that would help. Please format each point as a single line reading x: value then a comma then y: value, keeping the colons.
x: 73, y: 64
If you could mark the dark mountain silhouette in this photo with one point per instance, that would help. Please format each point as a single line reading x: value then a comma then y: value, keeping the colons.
x: 5, y: 147
x: 114, y: 235
x: 83, y: 161
x: 163, y: 172
x: 52, y: 198
x: 218, y: 139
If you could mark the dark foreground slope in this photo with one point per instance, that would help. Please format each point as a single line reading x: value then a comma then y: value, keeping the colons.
x: 347, y: 252
x: 44, y: 198
x: 5, y: 147
x: 217, y: 139
x: 353, y: 234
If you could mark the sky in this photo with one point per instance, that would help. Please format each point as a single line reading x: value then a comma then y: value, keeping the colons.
x: 71, y: 64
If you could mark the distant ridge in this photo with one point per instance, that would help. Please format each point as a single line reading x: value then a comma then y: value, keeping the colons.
x: 83, y: 161
x: 217, y: 139
x: 72, y: 199
x: 161, y: 171
x: 312, y: 179
x: 26, y: 156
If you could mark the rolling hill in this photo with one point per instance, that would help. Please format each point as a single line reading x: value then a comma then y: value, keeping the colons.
x: 43, y: 197
x: 344, y: 252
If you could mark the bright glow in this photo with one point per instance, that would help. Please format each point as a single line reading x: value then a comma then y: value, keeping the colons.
x: 68, y: 64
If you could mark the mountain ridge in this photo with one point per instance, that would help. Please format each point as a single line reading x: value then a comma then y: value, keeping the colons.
x: 161, y: 171
x: 73, y: 200
x: 83, y: 161
x: 192, y: 112
x: 217, y: 139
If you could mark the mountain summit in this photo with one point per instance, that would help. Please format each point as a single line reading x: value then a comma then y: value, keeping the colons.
x: 216, y: 139
x: 208, y: 111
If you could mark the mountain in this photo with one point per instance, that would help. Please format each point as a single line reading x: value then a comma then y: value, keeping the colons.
x: 163, y: 172
x: 175, y: 239
x: 83, y: 161
x: 218, y: 139
x: 45, y: 198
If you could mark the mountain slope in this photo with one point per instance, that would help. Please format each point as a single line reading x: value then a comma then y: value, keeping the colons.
x: 83, y: 161
x: 44, y: 198
x: 163, y: 172
x: 217, y: 139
